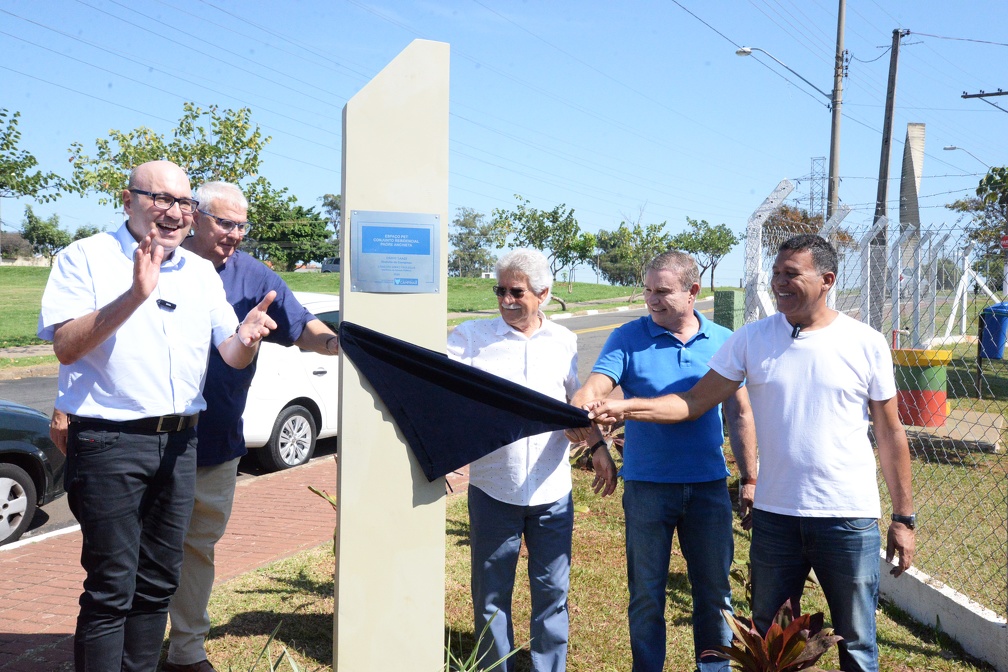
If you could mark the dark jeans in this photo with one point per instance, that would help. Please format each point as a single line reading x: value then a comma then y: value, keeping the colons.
x: 844, y: 552
x: 701, y: 513
x: 132, y: 495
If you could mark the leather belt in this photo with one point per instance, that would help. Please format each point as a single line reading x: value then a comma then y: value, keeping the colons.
x: 164, y: 424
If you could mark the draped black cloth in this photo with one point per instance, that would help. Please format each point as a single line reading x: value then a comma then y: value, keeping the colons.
x: 449, y: 412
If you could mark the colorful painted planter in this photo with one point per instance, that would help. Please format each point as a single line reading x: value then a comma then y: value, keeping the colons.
x: 921, y: 386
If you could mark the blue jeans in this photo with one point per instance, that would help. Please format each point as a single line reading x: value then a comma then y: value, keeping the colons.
x: 132, y: 495
x: 702, y: 514
x: 844, y: 552
x: 495, y: 534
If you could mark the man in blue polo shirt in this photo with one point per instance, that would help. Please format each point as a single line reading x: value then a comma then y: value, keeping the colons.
x: 219, y: 226
x: 675, y: 475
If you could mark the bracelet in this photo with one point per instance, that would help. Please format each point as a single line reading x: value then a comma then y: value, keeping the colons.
x: 598, y: 444
x: 747, y: 481
x: 238, y: 336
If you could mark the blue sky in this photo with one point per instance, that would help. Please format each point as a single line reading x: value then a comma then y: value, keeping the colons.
x: 609, y: 107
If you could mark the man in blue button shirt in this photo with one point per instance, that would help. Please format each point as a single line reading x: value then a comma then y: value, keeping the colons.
x: 674, y: 475
x: 219, y: 227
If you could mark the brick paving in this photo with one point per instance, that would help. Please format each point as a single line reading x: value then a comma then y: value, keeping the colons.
x: 274, y: 516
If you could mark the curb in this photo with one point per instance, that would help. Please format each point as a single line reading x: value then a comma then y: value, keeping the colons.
x: 38, y: 371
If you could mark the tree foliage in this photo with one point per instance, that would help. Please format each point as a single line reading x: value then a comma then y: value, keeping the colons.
x: 287, y: 234
x: 708, y: 244
x: 555, y: 233
x: 786, y: 222
x: 14, y: 246
x: 472, y: 239
x: 214, y: 144
x: 332, y: 208
x: 986, y: 214
x: 18, y: 176
x: 85, y: 231
x: 44, y: 235
x: 624, y: 253
x: 208, y: 144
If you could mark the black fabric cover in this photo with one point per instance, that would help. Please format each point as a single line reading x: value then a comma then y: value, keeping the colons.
x: 449, y: 412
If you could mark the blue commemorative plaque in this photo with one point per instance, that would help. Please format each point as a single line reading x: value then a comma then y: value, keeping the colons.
x: 395, y: 252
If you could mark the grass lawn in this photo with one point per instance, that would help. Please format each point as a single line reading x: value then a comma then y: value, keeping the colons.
x: 299, y: 593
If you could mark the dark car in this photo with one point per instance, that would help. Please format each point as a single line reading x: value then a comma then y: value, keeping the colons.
x: 31, y: 468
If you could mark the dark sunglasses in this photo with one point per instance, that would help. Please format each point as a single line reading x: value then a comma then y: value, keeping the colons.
x: 515, y: 292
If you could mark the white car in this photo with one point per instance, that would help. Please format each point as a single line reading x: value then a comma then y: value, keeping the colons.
x: 294, y: 396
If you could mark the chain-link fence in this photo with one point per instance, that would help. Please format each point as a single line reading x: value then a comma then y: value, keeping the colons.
x: 919, y: 289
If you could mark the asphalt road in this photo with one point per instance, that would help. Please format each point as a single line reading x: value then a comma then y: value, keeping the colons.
x: 592, y: 331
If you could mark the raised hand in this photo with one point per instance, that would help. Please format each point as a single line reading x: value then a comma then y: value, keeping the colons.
x: 147, y: 266
x: 257, y: 324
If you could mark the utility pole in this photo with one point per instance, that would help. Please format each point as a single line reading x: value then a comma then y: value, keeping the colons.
x: 836, y: 102
x: 877, y: 262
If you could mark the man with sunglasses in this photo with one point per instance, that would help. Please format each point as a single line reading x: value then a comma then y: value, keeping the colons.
x: 524, y: 488
x: 218, y: 229
x: 674, y: 476
x: 132, y: 317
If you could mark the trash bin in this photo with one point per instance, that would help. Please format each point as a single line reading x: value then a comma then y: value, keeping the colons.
x: 995, y: 327
x: 729, y: 308
x: 921, y: 396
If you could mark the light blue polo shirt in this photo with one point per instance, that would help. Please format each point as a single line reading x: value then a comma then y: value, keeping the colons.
x: 648, y: 361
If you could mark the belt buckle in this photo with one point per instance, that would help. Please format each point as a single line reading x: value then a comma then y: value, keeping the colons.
x: 175, y: 420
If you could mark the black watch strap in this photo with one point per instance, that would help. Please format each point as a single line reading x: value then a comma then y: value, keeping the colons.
x: 910, y: 521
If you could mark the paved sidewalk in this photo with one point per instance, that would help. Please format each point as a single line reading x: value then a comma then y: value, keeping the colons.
x: 275, y: 516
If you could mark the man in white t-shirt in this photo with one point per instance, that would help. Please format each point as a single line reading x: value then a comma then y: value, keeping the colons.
x: 815, y: 378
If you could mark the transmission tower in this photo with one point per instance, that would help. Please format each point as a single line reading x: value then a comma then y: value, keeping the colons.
x: 817, y: 188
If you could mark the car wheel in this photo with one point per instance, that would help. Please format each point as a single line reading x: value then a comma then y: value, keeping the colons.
x: 18, y: 501
x: 292, y: 441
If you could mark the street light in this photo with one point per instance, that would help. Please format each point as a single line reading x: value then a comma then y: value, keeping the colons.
x: 951, y: 148
x: 747, y: 51
x: 836, y: 100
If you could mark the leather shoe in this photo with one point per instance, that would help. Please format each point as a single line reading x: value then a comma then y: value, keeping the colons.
x: 202, y: 666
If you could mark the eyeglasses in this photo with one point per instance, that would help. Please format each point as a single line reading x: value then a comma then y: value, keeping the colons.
x: 515, y: 292
x: 166, y: 201
x: 229, y: 225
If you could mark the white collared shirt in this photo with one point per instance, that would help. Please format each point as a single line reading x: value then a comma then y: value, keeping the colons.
x: 155, y: 363
x: 535, y: 470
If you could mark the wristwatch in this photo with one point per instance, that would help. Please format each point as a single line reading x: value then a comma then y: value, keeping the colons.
x: 910, y: 521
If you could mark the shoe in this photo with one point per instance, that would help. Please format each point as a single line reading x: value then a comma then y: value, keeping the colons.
x: 202, y: 666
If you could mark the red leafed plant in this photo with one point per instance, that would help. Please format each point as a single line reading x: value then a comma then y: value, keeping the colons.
x: 790, y: 644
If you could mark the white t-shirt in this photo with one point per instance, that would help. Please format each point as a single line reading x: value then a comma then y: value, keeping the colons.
x: 810, y: 404
x: 534, y: 470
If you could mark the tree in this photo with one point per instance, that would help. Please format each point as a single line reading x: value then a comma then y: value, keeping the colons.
x: 14, y: 246
x: 85, y: 231
x: 17, y: 175
x: 786, y: 222
x: 332, y: 206
x: 555, y: 233
x: 471, y: 240
x: 45, y: 236
x: 708, y: 244
x: 625, y: 252
x: 208, y: 145
x: 288, y: 234
x: 987, y: 213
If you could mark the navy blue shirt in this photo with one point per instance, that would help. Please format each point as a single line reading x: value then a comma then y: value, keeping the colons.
x: 246, y: 282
